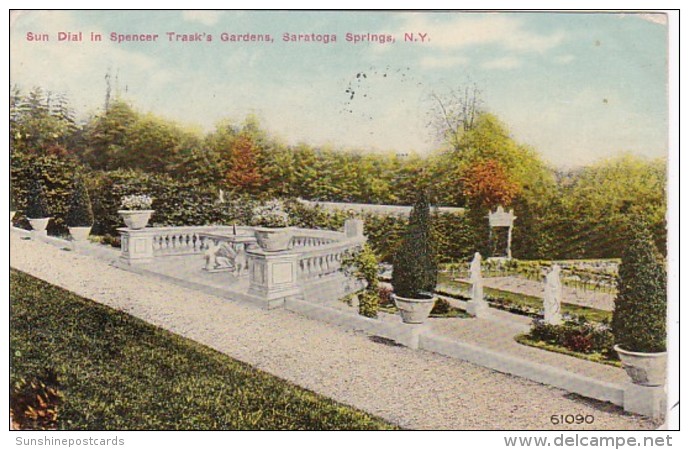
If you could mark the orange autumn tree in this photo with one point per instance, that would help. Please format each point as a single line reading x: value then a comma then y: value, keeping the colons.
x: 487, y: 184
x: 244, y: 174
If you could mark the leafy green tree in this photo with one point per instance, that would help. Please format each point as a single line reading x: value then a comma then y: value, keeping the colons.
x: 639, y: 318
x: 106, y: 137
x: 40, y: 122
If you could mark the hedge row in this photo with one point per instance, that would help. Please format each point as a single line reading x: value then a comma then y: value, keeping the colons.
x: 181, y: 203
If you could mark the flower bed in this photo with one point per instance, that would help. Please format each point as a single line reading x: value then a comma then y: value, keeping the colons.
x: 580, y: 338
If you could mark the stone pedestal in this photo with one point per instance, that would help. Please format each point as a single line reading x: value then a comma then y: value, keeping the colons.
x: 478, y: 308
x: 644, y: 400
x: 273, y: 276
x: 354, y: 228
x: 137, y: 246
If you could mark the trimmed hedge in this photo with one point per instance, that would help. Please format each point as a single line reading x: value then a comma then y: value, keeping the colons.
x: 56, y: 176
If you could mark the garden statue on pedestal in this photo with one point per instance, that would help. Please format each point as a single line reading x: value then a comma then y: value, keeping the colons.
x: 477, y: 306
x: 552, y: 297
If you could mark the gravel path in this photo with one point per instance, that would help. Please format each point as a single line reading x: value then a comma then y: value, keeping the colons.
x: 414, y: 389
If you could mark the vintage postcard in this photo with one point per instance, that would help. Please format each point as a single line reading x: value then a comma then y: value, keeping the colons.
x: 340, y: 220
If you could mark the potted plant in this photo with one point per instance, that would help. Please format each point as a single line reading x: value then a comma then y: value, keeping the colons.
x: 639, y: 318
x: 80, y: 214
x: 415, y: 270
x: 271, y: 224
x: 136, y: 211
x: 37, y: 208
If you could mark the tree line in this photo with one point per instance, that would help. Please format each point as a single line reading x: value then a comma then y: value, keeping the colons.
x: 478, y: 165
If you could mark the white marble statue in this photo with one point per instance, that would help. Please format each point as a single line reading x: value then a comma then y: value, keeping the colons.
x: 476, y: 279
x: 552, y: 297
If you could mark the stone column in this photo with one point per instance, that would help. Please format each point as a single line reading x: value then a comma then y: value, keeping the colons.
x: 137, y: 245
x: 273, y: 276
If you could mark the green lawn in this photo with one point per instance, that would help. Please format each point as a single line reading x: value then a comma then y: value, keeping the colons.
x: 118, y: 372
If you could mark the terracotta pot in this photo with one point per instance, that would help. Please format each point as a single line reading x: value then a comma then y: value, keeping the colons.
x: 39, y: 224
x: 136, y: 219
x: 645, y: 369
x: 273, y: 239
x: 79, y: 234
x: 414, y: 310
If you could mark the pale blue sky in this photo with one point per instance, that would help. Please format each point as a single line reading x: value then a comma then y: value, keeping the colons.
x: 576, y: 87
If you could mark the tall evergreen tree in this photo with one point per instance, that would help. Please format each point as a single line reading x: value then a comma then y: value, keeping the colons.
x: 639, y: 318
x: 415, y: 267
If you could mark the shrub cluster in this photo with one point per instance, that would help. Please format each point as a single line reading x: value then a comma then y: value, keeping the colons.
x: 576, y: 335
x: 34, y: 403
x: 364, y: 266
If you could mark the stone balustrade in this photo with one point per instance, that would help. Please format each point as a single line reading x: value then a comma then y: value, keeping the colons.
x: 324, y: 260
x: 312, y: 256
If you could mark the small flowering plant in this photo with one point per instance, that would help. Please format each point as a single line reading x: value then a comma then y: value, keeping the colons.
x: 136, y: 202
x: 271, y: 214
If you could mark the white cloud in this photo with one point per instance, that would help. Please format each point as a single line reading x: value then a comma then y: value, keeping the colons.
x: 78, y: 68
x: 564, y: 59
x: 437, y: 62
x: 490, y: 29
x: 508, y: 62
x: 208, y: 18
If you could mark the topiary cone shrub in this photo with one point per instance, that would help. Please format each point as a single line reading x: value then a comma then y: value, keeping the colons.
x: 639, y: 318
x: 37, y: 207
x: 80, y: 212
x: 415, y: 268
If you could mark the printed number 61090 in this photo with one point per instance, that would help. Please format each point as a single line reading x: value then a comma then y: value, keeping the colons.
x: 558, y: 419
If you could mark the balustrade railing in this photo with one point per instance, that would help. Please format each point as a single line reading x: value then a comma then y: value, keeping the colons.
x: 325, y: 260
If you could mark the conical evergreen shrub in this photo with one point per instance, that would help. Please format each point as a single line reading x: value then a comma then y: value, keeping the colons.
x: 80, y: 213
x: 639, y: 318
x: 415, y: 268
x: 37, y: 207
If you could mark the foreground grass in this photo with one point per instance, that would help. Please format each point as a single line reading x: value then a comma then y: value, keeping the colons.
x: 118, y: 372
x: 526, y: 303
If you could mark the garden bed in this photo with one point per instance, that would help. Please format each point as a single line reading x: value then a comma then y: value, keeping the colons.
x: 525, y: 339
x: 526, y: 305
x: 111, y: 371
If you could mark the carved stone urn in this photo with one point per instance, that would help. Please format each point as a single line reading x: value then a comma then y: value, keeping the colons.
x: 273, y: 239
